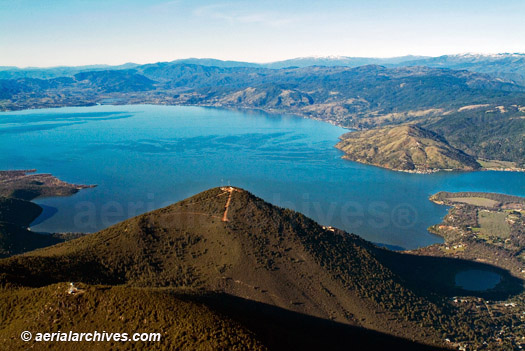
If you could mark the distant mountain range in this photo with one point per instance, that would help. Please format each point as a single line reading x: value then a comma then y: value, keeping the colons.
x: 506, y: 65
x: 10, y: 72
x: 480, y: 114
x: 340, y: 61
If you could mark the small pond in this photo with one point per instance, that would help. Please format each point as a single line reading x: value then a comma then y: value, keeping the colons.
x: 477, y: 280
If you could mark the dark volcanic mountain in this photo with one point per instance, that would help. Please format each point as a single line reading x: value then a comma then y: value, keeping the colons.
x: 182, y: 324
x: 260, y: 252
x: 227, y: 241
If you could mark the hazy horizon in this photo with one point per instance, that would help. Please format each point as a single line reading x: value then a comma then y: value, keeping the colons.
x: 76, y: 33
x: 265, y: 62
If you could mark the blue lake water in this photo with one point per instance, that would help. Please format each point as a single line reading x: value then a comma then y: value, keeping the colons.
x: 144, y: 157
x: 477, y: 280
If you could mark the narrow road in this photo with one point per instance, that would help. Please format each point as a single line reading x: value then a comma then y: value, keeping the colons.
x: 229, y: 190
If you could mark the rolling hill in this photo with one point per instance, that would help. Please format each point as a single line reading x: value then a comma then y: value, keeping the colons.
x: 404, y: 148
x: 509, y: 66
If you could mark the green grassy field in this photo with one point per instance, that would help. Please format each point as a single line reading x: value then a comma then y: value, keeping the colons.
x: 494, y: 224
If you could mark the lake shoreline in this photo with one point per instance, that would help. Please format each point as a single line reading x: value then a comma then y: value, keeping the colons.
x: 466, y: 239
x: 271, y: 111
x: 359, y: 186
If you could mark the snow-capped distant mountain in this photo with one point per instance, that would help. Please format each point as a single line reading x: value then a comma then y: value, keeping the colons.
x: 508, y: 66
x: 469, y: 58
x: 470, y: 55
x: 504, y: 65
x: 340, y: 61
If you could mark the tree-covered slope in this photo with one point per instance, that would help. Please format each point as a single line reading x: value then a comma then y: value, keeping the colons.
x: 182, y: 324
x: 227, y: 241
x: 263, y: 253
x: 184, y: 320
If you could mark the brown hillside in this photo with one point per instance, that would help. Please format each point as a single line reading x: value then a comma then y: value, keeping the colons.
x: 404, y: 148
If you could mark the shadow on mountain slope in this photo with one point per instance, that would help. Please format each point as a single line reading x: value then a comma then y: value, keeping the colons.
x: 436, y: 275
x: 285, y: 330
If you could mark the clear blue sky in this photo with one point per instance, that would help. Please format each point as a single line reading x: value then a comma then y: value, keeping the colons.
x: 79, y: 32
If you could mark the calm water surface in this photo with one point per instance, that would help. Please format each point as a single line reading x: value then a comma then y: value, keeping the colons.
x: 477, y: 280
x: 144, y: 157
